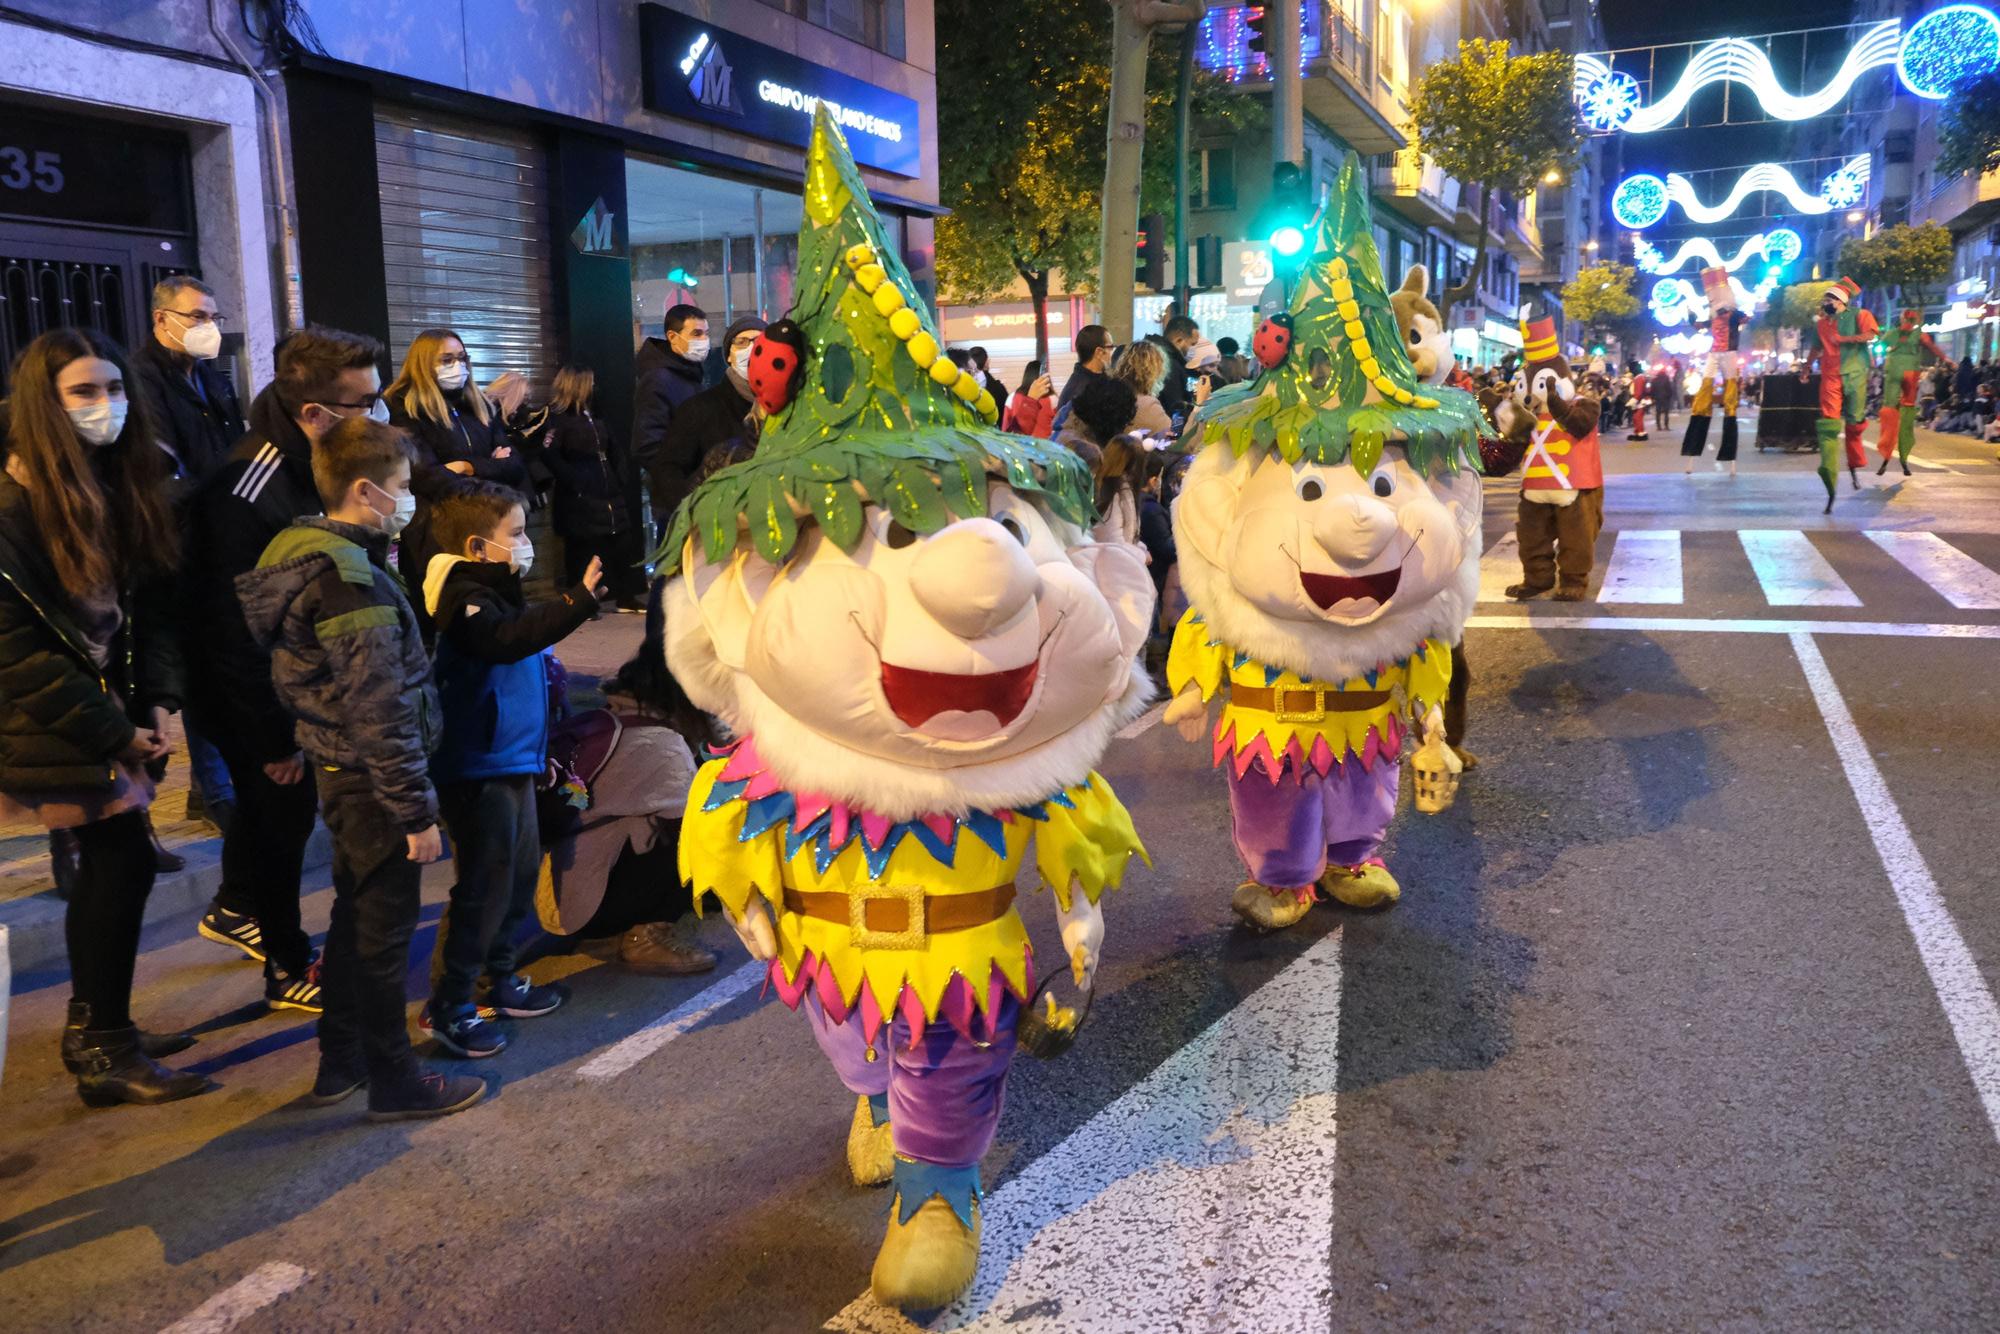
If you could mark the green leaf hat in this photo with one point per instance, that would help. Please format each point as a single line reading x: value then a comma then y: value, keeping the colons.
x: 1342, y: 306
x: 880, y: 416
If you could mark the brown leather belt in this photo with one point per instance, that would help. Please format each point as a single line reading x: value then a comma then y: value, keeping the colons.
x: 899, y: 917
x: 1309, y: 705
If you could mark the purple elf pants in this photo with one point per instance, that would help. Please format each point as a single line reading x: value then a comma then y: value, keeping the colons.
x: 1287, y: 831
x: 944, y: 1089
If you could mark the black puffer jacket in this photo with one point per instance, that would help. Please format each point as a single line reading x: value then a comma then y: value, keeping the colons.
x: 465, y: 440
x: 199, y: 417
x: 61, y: 721
x: 348, y: 660
x: 590, y: 490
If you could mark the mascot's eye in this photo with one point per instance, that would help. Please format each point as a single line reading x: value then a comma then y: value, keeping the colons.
x: 896, y: 537
x: 1311, y: 489
x: 1416, y: 336
x: 1013, y: 525
x: 1384, y: 485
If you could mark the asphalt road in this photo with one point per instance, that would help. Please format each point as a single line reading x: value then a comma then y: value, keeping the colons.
x: 1686, y: 1020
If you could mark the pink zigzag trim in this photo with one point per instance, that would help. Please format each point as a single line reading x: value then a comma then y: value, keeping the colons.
x: 956, y: 1007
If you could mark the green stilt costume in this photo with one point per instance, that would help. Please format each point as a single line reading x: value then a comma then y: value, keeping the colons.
x: 1844, y: 334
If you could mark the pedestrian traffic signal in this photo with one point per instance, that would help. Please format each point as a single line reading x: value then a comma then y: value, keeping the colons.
x: 1208, y: 261
x: 1152, y: 267
x: 1288, y: 212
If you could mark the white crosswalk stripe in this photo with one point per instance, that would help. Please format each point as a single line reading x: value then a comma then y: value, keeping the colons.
x: 1791, y: 570
x: 1957, y: 577
x: 1645, y: 567
x: 1499, y: 567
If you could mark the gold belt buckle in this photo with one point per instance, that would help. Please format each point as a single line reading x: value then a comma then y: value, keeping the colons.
x: 914, y: 932
x: 1316, y: 714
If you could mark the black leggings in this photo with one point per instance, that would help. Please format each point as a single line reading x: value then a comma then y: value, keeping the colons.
x: 107, y: 908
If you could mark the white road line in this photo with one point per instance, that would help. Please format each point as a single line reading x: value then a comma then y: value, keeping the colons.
x: 1967, y: 1001
x: 1791, y: 570
x: 1144, y: 721
x: 1499, y: 567
x: 621, y: 1056
x: 240, y: 1300
x: 1918, y: 461
x: 1645, y: 567
x: 1957, y: 577
x: 1200, y: 1199
x: 1698, y: 625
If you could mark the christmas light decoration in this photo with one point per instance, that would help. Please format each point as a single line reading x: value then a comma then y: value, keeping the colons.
x: 1737, y: 60
x: 1609, y: 101
x: 1643, y: 199
x: 1780, y: 246
x: 1688, y: 344
x: 1946, y: 47
x: 1678, y: 301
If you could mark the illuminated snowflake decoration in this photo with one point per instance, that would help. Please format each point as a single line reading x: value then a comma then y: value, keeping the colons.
x: 1639, y: 201
x: 1843, y: 189
x: 1609, y: 101
x: 1782, y: 246
x: 1668, y: 293
x: 1648, y: 255
x: 1946, y: 47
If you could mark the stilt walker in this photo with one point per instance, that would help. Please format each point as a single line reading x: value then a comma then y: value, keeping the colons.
x: 899, y: 612
x: 1844, y: 334
x: 1329, y: 544
x: 1725, y: 331
x: 1896, y: 423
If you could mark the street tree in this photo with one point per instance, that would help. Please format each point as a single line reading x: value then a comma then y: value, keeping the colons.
x: 1913, y: 260
x: 1021, y: 146
x: 1601, y: 296
x: 1968, y: 136
x: 1499, y: 123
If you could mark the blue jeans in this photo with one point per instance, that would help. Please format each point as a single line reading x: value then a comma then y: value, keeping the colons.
x: 208, y: 772
x: 497, y: 852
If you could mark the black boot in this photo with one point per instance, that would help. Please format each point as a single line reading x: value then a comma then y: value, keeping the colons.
x: 164, y: 859
x: 115, y: 1070
x: 154, y: 1045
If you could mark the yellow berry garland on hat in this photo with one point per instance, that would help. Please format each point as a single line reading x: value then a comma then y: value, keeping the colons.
x: 872, y: 278
x: 1342, y: 292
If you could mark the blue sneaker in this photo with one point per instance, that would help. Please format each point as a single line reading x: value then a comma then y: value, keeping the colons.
x: 464, y: 1033
x: 516, y: 997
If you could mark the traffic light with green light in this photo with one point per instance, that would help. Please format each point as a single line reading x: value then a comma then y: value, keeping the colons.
x: 1288, y: 214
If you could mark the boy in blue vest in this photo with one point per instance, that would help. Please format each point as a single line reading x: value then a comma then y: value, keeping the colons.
x: 493, y: 673
x: 349, y: 665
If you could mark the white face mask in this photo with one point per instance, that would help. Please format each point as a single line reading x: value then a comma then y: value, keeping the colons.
x: 397, y: 519
x: 740, y: 363
x: 453, y: 376
x: 201, y: 341
x: 697, y: 349
x: 379, y: 412
x: 521, y: 558
x: 100, y: 422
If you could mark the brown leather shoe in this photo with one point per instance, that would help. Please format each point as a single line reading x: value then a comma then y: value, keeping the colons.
x: 656, y: 951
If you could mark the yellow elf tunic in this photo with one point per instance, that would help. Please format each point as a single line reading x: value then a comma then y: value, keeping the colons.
x: 1082, y: 838
x: 1243, y: 734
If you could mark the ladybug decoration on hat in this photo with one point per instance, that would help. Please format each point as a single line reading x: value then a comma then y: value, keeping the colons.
x: 776, y: 364
x: 1273, y: 340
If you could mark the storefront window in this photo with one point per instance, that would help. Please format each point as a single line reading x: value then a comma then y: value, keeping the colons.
x: 876, y: 23
x: 725, y: 246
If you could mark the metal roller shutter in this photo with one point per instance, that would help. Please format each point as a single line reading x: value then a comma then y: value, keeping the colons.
x: 465, y: 232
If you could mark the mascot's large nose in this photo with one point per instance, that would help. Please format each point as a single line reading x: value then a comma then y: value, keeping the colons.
x: 974, y: 578
x: 1353, y: 529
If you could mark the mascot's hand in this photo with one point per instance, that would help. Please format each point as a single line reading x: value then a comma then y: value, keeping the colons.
x: 757, y: 931
x: 1434, y: 724
x: 1188, y: 713
x: 1082, y: 935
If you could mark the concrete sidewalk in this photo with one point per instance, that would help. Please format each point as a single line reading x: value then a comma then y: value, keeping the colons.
x: 32, y: 913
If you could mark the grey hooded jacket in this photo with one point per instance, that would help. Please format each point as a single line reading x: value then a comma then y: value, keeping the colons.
x: 347, y: 659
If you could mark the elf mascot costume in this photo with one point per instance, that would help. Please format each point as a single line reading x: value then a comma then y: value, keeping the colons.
x: 1844, y: 332
x: 1896, y: 421
x: 898, y: 611
x: 1725, y: 331
x: 1329, y: 544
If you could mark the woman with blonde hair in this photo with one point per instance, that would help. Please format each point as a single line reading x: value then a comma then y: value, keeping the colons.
x: 594, y: 515
x: 88, y: 674
x: 1143, y: 366
x: 1121, y: 472
x: 458, y: 430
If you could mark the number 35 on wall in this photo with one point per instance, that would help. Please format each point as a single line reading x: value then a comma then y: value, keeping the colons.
x: 20, y: 170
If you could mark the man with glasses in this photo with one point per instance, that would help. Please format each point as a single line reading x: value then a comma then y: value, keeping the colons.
x: 323, y: 376
x: 198, y: 415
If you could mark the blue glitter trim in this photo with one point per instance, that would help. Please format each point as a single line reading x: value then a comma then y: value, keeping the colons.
x: 917, y: 1182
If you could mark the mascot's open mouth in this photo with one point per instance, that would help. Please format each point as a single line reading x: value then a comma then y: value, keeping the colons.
x: 916, y: 696
x: 1328, y: 589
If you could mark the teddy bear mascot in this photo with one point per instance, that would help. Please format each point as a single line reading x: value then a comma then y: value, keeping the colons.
x: 1725, y: 332
x: 1562, y: 482
x: 1844, y: 331
x: 1329, y: 543
x: 1896, y: 420
x: 900, y: 615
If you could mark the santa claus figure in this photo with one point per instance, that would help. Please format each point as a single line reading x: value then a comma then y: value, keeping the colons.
x: 1328, y: 538
x: 899, y: 613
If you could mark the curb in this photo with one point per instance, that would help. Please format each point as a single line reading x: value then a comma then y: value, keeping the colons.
x: 33, y: 926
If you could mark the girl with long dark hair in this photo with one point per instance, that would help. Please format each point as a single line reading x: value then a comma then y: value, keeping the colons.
x: 87, y: 675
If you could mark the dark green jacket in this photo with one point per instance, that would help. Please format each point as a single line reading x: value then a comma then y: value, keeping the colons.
x: 61, y: 721
x: 347, y: 659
